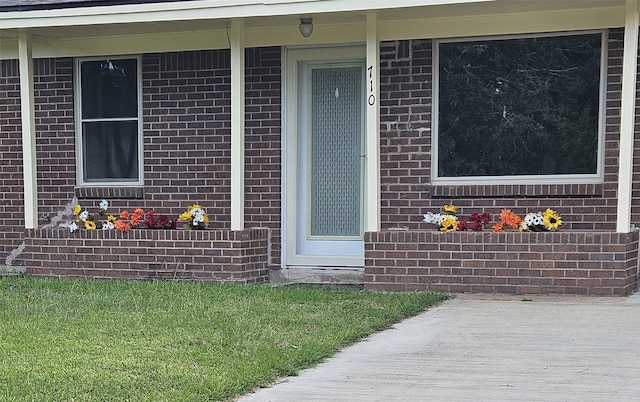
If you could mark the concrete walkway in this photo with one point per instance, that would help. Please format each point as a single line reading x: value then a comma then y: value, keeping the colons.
x: 490, y: 348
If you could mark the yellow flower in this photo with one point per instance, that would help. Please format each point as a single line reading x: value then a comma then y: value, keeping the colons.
x: 452, y: 209
x: 449, y: 224
x: 89, y: 225
x: 551, y: 219
x: 206, y: 220
x: 77, y: 209
x: 185, y: 216
x: 111, y: 219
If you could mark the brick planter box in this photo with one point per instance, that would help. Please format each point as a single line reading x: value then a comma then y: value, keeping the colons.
x: 585, y: 263
x: 202, y: 255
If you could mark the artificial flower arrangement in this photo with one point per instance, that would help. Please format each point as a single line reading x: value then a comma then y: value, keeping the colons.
x: 195, y: 217
x: 547, y: 221
x: 447, y: 221
x: 123, y: 222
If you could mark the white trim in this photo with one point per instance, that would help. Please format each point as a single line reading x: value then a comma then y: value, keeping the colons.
x: 595, y: 178
x: 464, y: 26
x: 198, y: 10
x: 210, y: 31
x: 236, y: 37
x: 27, y: 108
x: 372, y: 132
x: 77, y: 75
x: 627, y: 117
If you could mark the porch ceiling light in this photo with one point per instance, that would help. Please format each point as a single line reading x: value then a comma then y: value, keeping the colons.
x: 306, y: 26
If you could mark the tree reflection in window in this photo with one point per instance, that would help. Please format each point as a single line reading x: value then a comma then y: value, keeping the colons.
x: 525, y: 106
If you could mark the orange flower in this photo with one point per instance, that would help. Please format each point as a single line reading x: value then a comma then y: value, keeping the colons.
x: 510, y: 219
x: 137, y: 215
x: 122, y: 226
x: 498, y: 227
x: 124, y: 215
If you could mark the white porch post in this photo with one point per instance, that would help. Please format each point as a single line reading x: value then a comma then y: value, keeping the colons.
x: 372, y: 146
x: 28, y: 131
x: 237, y: 124
x: 627, y: 116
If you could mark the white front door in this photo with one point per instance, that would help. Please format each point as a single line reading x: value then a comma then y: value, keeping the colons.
x: 324, y: 158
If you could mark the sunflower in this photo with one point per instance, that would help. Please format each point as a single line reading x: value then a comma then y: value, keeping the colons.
x: 551, y: 219
x: 111, y: 219
x: 77, y: 209
x: 452, y: 209
x: 449, y: 224
x: 89, y: 225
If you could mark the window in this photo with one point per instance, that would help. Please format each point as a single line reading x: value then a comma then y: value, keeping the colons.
x: 519, y: 110
x: 109, y: 121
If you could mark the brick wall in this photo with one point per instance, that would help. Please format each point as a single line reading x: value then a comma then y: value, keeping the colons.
x: 187, y: 133
x: 406, y: 149
x: 587, y: 263
x: 203, y: 255
x: 263, y: 143
x: 11, y: 187
x: 584, y: 257
x: 53, y: 96
x: 186, y: 123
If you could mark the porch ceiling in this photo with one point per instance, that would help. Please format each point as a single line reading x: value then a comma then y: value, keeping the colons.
x: 163, y: 18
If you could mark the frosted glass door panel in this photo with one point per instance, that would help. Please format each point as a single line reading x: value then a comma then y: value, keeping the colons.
x: 335, y: 192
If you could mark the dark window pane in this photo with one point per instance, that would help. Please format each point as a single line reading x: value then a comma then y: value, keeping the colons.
x: 110, y: 151
x: 525, y: 106
x: 109, y: 89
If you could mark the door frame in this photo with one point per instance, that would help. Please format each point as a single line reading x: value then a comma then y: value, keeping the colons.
x: 290, y: 73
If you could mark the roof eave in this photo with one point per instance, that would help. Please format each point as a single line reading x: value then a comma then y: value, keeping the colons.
x: 198, y: 10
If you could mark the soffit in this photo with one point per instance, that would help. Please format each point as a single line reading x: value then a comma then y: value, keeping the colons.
x: 82, y: 28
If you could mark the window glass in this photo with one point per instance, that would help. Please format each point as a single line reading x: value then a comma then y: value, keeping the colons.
x: 109, y: 89
x: 526, y: 106
x: 110, y: 150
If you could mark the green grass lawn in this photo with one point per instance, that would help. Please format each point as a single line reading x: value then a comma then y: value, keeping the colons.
x: 73, y: 340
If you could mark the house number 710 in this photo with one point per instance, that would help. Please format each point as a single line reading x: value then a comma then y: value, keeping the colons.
x: 372, y: 98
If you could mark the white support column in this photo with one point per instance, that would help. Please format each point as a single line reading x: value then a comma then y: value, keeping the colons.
x: 372, y: 141
x: 627, y: 116
x: 237, y: 124
x: 28, y: 131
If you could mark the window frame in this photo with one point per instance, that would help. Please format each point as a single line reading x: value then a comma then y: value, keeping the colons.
x: 597, y: 177
x: 79, y: 124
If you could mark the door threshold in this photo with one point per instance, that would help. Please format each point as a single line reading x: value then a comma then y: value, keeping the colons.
x: 323, y: 276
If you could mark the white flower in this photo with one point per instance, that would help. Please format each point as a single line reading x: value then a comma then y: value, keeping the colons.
x: 198, y: 216
x: 104, y: 204
x: 73, y: 227
x: 435, y: 219
x: 533, y: 219
x: 108, y: 226
x: 84, y: 215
